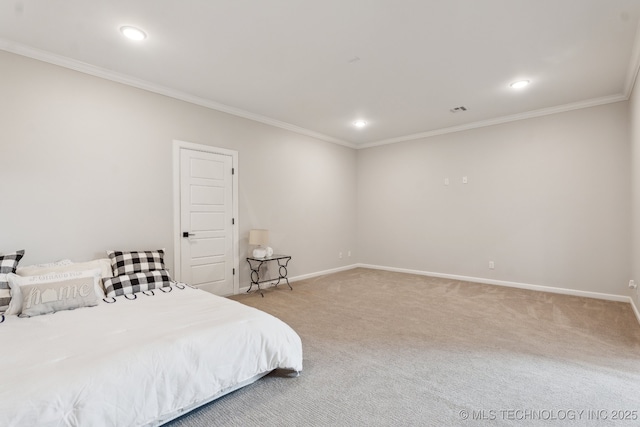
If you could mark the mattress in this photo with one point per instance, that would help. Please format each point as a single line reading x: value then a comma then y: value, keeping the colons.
x: 135, y: 362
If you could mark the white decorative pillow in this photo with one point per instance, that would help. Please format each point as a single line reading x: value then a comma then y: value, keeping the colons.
x: 49, y: 293
x: 136, y: 261
x: 50, y: 264
x: 103, y: 264
x: 8, y: 264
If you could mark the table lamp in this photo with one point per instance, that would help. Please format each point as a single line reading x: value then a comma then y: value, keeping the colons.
x: 260, y: 238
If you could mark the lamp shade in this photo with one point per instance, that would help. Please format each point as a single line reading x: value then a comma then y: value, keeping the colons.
x: 259, y: 237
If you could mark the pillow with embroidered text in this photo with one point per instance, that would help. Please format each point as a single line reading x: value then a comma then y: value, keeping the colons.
x: 8, y: 264
x: 136, y: 282
x: 49, y: 293
x: 136, y: 261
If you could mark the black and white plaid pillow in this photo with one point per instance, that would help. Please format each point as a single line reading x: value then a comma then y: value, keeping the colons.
x: 136, y: 282
x: 8, y: 264
x: 136, y: 261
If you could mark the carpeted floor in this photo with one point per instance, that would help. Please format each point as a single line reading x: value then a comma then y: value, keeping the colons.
x: 393, y: 349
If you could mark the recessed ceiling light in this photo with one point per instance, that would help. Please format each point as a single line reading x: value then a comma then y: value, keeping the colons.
x: 133, y: 33
x: 520, y: 84
x: 360, y: 124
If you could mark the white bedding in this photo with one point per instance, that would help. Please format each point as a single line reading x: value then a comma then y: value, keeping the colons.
x: 135, y: 362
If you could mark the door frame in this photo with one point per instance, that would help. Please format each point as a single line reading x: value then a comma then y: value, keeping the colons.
x: 177, y: 232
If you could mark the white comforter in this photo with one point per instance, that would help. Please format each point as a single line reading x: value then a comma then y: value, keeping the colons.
x: 135, y: 362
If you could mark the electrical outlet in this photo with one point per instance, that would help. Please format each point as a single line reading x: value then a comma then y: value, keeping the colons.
x: 349, y: 254
x: 446, y: 181
x: 491, y: 265
x: 340, y: 255
x: 465, y: 180
x: 632, y: 284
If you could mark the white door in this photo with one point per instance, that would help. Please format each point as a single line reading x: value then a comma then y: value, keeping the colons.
x: 206, y: 221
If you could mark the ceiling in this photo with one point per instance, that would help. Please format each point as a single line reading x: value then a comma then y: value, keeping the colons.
x: 315, y: 66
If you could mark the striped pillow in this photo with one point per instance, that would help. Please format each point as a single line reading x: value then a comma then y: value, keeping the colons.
x: 8, y: 264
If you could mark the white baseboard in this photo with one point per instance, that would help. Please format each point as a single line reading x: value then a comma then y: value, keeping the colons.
x: 302, y: 277
x: 540, y: 288
x: 635, y: 309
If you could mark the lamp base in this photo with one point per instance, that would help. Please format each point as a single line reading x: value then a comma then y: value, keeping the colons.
x: 259, y: 253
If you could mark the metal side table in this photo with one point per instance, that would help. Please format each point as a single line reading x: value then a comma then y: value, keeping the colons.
x: 256, y: 263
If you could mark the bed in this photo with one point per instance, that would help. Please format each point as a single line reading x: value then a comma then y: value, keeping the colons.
x: 139, y: 359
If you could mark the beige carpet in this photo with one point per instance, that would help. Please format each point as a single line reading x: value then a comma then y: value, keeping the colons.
x: 392, y: 349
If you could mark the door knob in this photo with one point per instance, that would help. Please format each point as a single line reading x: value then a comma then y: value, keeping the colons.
x: 187, y: 234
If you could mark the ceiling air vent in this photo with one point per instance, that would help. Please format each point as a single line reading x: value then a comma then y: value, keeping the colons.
x: 458, y: 109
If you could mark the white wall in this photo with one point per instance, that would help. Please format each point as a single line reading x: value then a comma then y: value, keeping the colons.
x: 547, y: 200
x: 634, y: 126
x: 86, y: 166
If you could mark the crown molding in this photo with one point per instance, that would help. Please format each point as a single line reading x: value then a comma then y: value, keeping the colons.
x: 83, y: 67
x: 500, y: 120
x: 104, y: 73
